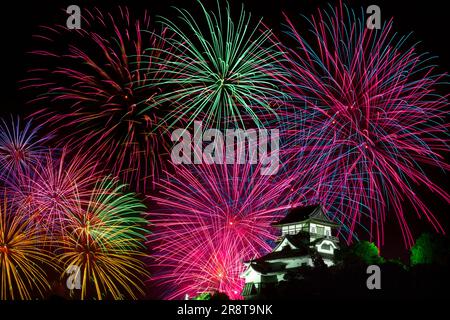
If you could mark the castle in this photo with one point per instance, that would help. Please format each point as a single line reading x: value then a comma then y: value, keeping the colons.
x: 306, y: 234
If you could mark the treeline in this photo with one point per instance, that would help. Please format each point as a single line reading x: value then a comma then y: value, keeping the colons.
x: 426, y: 276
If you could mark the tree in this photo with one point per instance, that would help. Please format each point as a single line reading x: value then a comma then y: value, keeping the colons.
x: 430, y: 249
x: 203, y: 296
x: 361, y: 252
x: 219, y: 296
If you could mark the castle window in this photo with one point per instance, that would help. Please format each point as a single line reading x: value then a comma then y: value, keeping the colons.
x: 291, y: 229
x: 326, y: 247
x: 320, y: 230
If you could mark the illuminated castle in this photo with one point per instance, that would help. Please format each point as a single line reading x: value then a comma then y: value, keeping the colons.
x: 306, y: 235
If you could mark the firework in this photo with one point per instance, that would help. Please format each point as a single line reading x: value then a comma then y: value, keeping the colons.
x: 95, y: 86
x: 208, y: 220
x: 103, y: 237
x: 21, y: 148
x: 53, y: 185
x: 220, y: 71
x: 371, y: 117
x: 23, y: 262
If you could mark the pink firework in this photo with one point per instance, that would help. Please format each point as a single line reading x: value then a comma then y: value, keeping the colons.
x: 96, y: 89
x: 371, y: 117
x: 21, y: 148
x: 208, y: 220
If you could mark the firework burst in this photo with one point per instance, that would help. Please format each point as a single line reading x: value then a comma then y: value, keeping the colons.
x: 53, y: 185
x: 208, y: 220
x: 220, y: 71
x: 95, y: 84
x: 372, y: 117
x: 103, y: 237
x: 21, y: 148
x: 23, y: 262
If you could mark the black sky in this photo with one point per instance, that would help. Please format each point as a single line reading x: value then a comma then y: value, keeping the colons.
x: 428, y: 20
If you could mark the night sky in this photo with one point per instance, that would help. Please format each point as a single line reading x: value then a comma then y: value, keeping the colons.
x: 428, y: 20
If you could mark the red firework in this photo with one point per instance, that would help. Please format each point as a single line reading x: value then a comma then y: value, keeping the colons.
x: 96, y: 85
x: 208, y: 220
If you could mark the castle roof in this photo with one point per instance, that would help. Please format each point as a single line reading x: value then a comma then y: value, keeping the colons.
x: 302, y: 247
x: 299, y: 240
x: 288, y: 253
x: 313, y: 213
x: 267, y: 265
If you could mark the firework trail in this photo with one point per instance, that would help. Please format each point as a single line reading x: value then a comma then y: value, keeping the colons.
x: 23, y: 261
x: 306, y: 166
x: 94, y: 90
x: 220, y: 70
x: 104, y: 236
x: 372, y: 117
x: 208, y: 219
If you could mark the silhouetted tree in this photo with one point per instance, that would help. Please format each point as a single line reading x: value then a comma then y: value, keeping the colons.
x: 219, y: 296
x: 360, y: 252
x: 430, y: 249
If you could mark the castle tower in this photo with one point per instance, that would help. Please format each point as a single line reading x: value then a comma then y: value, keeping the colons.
x: 305, y: 232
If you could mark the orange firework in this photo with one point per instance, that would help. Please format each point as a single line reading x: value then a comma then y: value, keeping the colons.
x: 23, y: 260
x: 102, y: 240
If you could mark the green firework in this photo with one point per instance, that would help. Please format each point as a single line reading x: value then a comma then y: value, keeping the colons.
x: 104, y: 238
x: 219, y: 71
